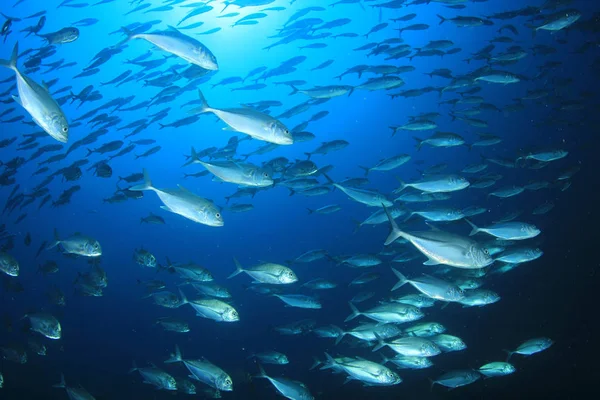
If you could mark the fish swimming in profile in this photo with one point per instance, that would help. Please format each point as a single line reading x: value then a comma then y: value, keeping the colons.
x: 74, y: 393
x: 62, y: 36
x: 204, y: 371
x: 175, y: 42
x: 288, y: 388
x: 269, y: 273
x: 185, y: 203
x: 38, y: 102
x: 77, y: 244
x: 249, y: 121
x: 443, y: 247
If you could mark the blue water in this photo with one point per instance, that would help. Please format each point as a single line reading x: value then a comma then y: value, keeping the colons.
x: 103, y: 335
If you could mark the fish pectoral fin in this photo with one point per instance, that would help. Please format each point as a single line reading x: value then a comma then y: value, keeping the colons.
x: 431, y: 262
x: 168, y: 209
x: 17, y: 100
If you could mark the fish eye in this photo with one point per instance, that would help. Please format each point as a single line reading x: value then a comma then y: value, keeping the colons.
x: 65, y: 129
x: 486, y: 252
x: 218, y: 215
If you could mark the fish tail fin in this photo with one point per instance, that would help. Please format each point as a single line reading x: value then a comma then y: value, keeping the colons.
x: 329, y: 363
x: 261, y: 372
x: 475, y: 228
x: 238, y: 269
x: 184, y: 299
x: 367, y: 169
x: 402, y: 185
x: 147, y: 185
x: 341, y: 334
x: 308, y: 155
x: 56, y: 241
x: 328, y: 179
x: 227, y: 4
x: 401, y: 279
x: 509, y: 354
x: 127, y: 32
x: 442, y: 19
x: 294, y: 90
x: 90, y: 152
x: 174, y: 357
x: 315, y: 364
x: 310, y: 211
x: 12, y: 63
x: 384, y: 359
x: 419, y: 143
x: 355, y: 312
x: 204, y: 107
x: 62, y: 384
x: 431, y: 383
x: 133, y: 368
x: 380, y: 343
x: 395, y: 232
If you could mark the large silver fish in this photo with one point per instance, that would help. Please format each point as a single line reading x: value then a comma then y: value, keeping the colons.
x: 431, y: 287
x: 181, y: 45
x: 38, y: 102
x: 443, y: 247
x: 288, y: 388
x: 241, y: 173
x: 249, y: 121
x: 204, y: 371
x: 185, y: 203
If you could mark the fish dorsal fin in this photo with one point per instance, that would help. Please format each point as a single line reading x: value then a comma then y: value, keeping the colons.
x: 173, y: 29
x: 184, y: 189
x: 433, y: 227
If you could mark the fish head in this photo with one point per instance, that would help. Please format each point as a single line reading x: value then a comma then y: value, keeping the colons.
x: 170, y: 383
x: 530, y: 230
x: 204, y: 58
x: 455, y: 214
x: 224, y: 383
x: 231, y: 315
x: 454, y: 293
x: 279, y: 132
x: 457, y: 344
x: 429, y: 349
x: 282, y: 359
x: 438, y: 328
x: 263, y: 177
x: 210, y: 217
x: 58, y: 127
x: 481, y: 256
x: 55, y: 332
x: 534, y: 253
x: 91, y: 248
x: 287, y: 276
x: 10, y: 266
x: 508, y: 368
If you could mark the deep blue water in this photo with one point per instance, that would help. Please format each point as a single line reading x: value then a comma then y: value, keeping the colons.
x: 552, y: 296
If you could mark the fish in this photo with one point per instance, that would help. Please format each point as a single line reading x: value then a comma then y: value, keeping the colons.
x: 175, y: 42
x: 38, y: 102
x: 456, y: 378
x: 77, y: 244
x: 74, y: 393
x: 288, y: 388
x: 267, y: 273
x: 204, y: 371
x: 497, y: 368
x: 432, y: 287
x: 507, y: 230
x: 182, y: 202
x: 251, y: 122
x: 531, y: 346
x: 443, y: 247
